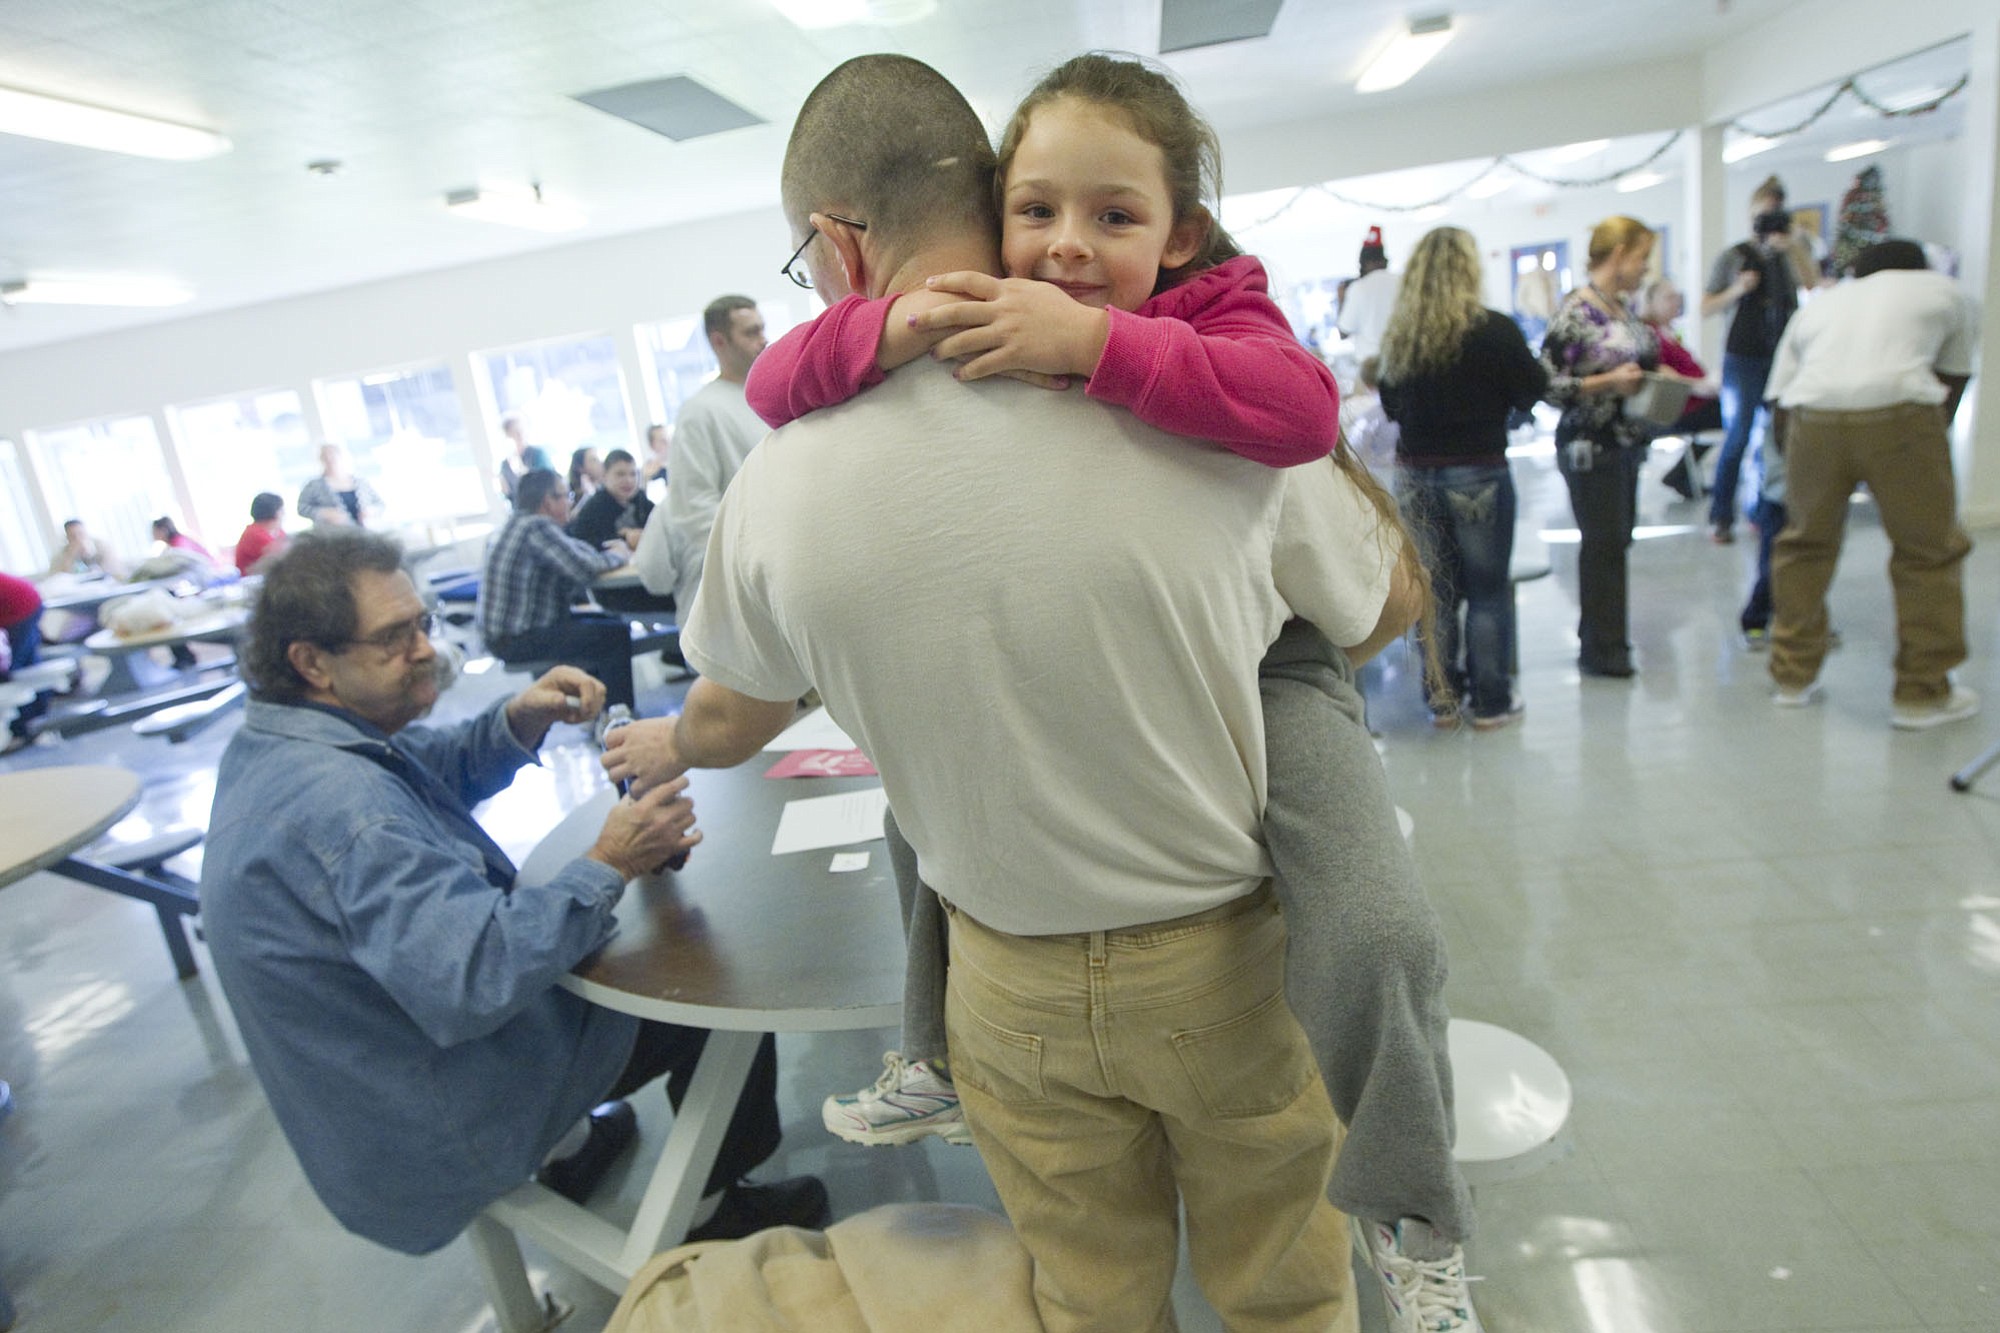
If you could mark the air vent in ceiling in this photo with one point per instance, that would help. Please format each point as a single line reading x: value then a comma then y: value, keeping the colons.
x: 677, y: 107
x: 1187, y: 24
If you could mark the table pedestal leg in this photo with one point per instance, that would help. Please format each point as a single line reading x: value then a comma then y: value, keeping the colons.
x: 676, y: 1187
x: 507, y: 1285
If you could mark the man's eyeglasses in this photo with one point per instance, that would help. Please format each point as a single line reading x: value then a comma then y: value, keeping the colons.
x: 399, y: 640
x: 803, y: 277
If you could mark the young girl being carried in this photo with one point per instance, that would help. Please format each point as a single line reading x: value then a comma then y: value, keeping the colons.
x: 1118, y: 273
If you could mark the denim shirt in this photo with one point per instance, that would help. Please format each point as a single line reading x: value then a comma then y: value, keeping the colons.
x: 396, y: 991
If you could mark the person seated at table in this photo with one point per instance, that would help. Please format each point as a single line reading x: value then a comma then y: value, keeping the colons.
x: 617, y: 509
x: 180, y: 557
x: 337, y: 496
x: 395, y: 985
x: 188, y: 555
x: 658, y: 445
x: 534, y: 573
x: 20, y: 647
x: 586, y: 474
x: 82, y: 553
x: 264, y: 539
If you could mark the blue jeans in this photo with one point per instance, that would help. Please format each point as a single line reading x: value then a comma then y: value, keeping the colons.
x: 1463, y: 519
x: 25, y: 641
x: 1745, y: 416
x: 1770, y: 518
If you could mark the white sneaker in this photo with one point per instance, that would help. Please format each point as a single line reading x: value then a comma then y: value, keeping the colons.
x: 1960, y: 704
x: 1421, y: 1294
x: 909, y: 1101
x: 1799, y: 698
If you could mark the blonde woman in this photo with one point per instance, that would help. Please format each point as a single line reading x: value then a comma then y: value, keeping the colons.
x: 1597, y: 351
x: 1452, y: 372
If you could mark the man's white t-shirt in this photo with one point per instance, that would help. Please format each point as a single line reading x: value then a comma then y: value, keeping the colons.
x: 714, y: 433
x: 1365, y: 310
x: 1875, y: 342
x: 1042, y: 619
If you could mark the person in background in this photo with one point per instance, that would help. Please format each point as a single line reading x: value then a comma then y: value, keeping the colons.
x: 264, y: 538
x: 534, y: 573
x: 1753, y: 282
x: 337, y: 497
x: 715, y: 432
x: 82, y: 553
x: 20, y: 647
x: 1367, y: 302
x: 616, y: 510
x: 1597, y: 352
x: 1452, y: 373
x: 654, y: 466
x: 168, y: 534
x: 394, y: 981
x: 586, y: 474
x: 516, y: 462
x: 1366, y: 427
x: 1661, y: 306
x: 1866, y: 383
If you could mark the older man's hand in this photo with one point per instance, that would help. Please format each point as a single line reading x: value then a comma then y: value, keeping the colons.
x: 563, y: 694
x: 644, y: 754
x: 643, y: 833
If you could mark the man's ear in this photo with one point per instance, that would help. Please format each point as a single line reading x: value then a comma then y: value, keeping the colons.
x: 1187, y: 238
x: 849, y: 245
x: 309, y: 660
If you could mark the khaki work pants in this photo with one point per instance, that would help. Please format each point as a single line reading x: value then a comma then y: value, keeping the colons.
x: 1904, y: 456
x: 1108, y: 1077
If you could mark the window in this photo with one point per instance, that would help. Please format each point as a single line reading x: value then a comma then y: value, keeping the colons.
x: 406, y: 431
x: 20, y: 533
x: 232, y: 448
x: 111, y: 475
x: 677, y: 355
x: 678, y: 359
x: 569, y: 394
x: 1541, y: 276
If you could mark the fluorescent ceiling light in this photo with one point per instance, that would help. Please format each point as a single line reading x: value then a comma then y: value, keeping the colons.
x: 1406, y: 53
x: 35, y: 116
x: 1492, y: 183
x: 1859, y: 148
x: 513, y: 206
x: 1914, y: 98
x: 1634, y: 181
x: 1576, y: 152
x: 1748, y: 146
x: 93, y: 291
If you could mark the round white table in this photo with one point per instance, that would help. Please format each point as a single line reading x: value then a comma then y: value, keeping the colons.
x: 739, y: 942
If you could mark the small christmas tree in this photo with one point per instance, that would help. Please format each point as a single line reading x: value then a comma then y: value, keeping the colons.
x: 1864, y: 219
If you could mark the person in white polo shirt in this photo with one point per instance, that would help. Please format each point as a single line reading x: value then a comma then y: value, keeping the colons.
x: 1867, y: 380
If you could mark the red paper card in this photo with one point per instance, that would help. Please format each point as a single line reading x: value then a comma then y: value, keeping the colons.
x: 822, y: 764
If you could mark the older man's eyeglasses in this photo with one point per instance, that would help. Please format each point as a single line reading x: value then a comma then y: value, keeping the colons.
x: 399, y: 640
x: 803, y: 277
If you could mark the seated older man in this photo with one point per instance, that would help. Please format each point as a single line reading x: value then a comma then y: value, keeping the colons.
x: 396, y: 988
x: 534, y: 573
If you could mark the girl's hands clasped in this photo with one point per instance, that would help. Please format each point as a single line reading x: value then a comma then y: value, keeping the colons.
x: 1014, y: 326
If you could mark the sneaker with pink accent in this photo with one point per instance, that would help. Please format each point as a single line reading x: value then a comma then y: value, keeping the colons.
x: 911, y: 1100
x: 1424, y: 1286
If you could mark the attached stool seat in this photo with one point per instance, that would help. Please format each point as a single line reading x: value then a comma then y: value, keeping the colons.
x: 1511, y: 1101
x: 1510, y: 1098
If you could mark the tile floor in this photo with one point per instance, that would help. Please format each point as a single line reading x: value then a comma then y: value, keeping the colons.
x: 1765, y: 945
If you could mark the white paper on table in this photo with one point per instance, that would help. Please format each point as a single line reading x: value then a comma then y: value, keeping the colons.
x: 846, y: 862
x: 814, y: 731
x: 840, y: 820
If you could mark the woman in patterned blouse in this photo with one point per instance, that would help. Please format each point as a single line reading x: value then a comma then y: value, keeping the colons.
x: 1596, y: 351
